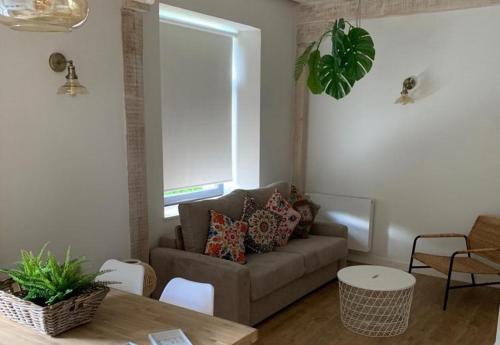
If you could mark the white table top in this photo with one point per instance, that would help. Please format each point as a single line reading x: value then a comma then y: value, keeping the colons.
x: 377, y: 278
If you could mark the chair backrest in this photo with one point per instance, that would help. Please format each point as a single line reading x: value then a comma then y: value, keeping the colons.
x: 190, y: 295
x: 130, y: 276
x: 486, y: 234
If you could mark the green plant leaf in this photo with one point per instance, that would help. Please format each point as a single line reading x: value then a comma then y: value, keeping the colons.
x: 302, y: 60
x: 314, y: 80
x: 358, y: 54
x: 338, y: 35
x: 45, y: 281
x: 334, y: 82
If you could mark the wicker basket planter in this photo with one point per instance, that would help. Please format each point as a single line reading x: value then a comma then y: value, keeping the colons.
x: 51, y: 320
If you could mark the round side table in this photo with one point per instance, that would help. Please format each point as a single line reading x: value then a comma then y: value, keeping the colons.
x: 375, y: 301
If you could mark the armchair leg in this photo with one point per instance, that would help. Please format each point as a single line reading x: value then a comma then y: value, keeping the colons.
x: 448, y: 281
x: 447, y: 292
x: 413, y: 253
x: 411, y: 264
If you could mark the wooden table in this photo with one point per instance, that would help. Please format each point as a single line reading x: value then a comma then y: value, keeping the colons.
x: 125, y: 317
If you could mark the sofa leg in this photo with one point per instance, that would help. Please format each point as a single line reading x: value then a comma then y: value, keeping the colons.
x: 342, y: 263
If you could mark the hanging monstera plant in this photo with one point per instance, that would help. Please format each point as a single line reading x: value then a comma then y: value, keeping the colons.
x: 351, y: 58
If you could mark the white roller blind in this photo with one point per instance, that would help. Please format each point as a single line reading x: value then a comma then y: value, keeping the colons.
x: 196, y: 78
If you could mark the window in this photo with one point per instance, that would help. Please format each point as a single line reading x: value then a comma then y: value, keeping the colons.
x: 196, y: 106
x: 210, y: 94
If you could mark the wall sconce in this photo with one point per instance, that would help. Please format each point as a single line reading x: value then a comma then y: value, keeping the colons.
x: 72, y: 87
x: 408, y: 85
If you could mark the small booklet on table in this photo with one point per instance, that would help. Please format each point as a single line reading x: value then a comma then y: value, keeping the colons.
x: 173, y: 337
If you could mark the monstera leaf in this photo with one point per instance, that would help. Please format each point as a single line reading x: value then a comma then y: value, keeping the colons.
x: 333, y: 80
x: 314, y: 80
x: 358, y: 54
x: 351, y: 58
x: 302, y: 60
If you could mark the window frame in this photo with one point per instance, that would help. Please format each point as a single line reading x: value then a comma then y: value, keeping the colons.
x: 194, y: 196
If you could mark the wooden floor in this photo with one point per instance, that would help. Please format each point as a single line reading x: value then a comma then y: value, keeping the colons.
x: 471, y: 319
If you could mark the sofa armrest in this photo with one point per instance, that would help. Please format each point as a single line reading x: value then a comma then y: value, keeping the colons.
x: 230, y: 280
x: 168, y: 241
x: 329, y: 229
x: 172, y: 239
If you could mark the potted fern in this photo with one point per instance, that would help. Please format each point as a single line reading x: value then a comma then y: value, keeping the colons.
x: 48, y: 296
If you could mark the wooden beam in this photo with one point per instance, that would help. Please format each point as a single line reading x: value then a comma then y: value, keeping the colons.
x: 134, y: 5
x: 315, y: 16
x: 300, y: 128
x: 132, y: 36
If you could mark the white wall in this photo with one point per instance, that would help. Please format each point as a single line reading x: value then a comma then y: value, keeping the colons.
x: 63, y: 172
x: 432, y: 166
x: 277, y: 20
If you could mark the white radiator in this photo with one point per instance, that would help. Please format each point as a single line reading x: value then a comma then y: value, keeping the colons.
x: 356, y: 213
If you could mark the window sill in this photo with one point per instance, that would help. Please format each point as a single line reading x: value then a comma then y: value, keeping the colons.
x: 171, y: 212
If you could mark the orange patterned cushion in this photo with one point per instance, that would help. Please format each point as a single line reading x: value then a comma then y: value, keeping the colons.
x: 226, y: 238
x: 290, y: 218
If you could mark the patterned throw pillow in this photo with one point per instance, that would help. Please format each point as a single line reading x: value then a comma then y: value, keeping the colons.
x: 308, y: 211
x: 290, y: 218
x: 262, y: 227
x: 226, y: 238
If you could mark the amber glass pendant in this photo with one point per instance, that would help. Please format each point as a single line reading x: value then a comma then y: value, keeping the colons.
x: 43, y: 15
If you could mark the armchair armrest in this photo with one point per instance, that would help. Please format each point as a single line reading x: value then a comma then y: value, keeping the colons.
x: 477, y: 251
x: 443, y: 235
x: 230, y: 280
x: 329, y: 229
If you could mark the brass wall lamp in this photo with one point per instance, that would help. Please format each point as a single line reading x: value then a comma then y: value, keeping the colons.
x: 408, y: 84
x: 72, y: 87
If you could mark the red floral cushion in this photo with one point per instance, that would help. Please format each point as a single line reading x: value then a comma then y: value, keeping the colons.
x: 226, y: 238
x: 262, y: 227
x: 308, y: 211
x: 290, y: 218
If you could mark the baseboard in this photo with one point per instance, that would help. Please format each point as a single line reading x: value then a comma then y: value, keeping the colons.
x: 370, y: 259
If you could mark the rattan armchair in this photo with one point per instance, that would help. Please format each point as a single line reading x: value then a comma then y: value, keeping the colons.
x: 483, y: 241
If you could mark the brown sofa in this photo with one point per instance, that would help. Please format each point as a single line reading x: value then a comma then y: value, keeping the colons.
x: 268, y: 282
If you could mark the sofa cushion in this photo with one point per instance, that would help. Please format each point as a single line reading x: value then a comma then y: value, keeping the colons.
x: 226, y: 238
x: 307, y: 209
x: 290, y: 218
x: 271, y: 271
x: 262, y: 227
x: 263, y: 194
x: 195, y: 218
x: 317, y: 251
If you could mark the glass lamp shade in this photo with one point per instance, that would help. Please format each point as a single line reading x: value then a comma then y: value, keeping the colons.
x: 72, y: 88
x: 405, y: 99
x: 43, y: 15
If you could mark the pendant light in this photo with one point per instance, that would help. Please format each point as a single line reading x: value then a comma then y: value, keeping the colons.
x: 43, y: 15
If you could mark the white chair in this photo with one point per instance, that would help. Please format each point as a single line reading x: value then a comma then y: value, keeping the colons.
x: 130, y: 276
x: 190, y: 295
